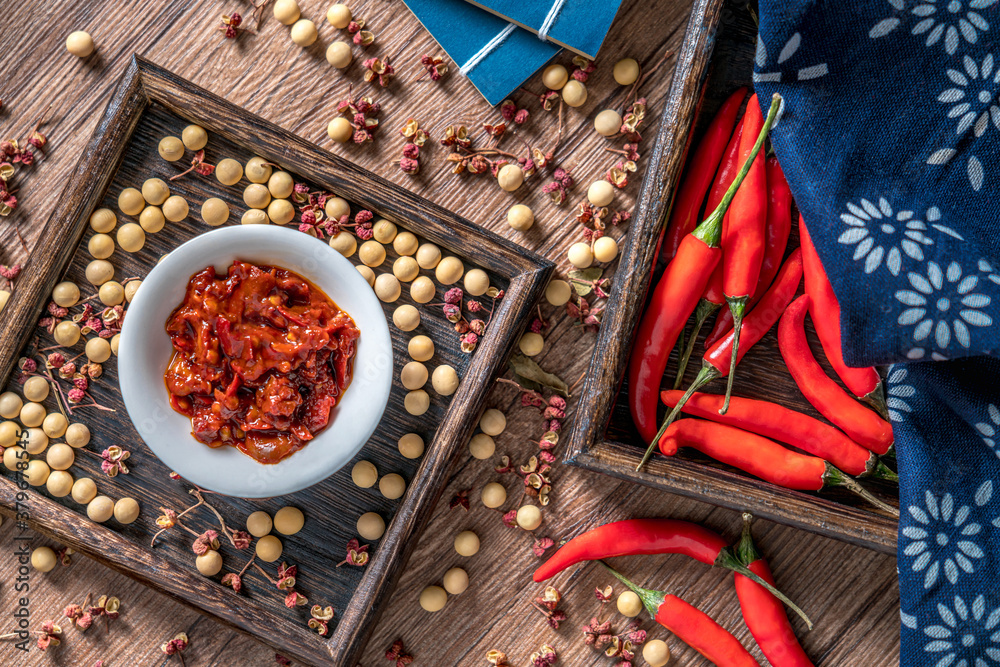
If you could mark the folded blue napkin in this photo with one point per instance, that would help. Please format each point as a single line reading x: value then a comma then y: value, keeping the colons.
x: 890, y: 139
x: 493, y: 53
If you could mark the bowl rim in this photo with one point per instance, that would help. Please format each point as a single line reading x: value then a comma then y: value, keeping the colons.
x: 213, y: 468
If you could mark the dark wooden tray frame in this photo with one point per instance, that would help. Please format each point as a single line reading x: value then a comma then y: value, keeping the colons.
x: 589, y: 444
x: 143, y: 83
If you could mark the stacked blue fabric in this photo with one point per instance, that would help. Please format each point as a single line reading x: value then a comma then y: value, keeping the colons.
x: 890, y: 140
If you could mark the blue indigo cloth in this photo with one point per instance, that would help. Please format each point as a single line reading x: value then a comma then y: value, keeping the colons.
x: 946, y: 419
x: 890, y: 139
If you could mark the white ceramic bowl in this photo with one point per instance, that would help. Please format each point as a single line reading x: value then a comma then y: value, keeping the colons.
x: 145, y: 350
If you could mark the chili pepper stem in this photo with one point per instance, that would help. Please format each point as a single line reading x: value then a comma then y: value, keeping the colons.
x: 876, y: 400
x: 707, y: 373
x: 730, y: 560
x: 651, y: 600
x: 835, y: 477
x: 883, y: 472
x: 746, y: 550
x: 737, y: 306
x: 720, y: 211
x: 701, y: 314
x: 710, y: 229
x: 681, y: 348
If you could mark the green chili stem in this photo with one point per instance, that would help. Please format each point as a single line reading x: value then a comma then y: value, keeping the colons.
x: 746, y: 550
x: 701, y: 314
x: 746, y: 553
x: 835, y: 477
x: 883, y: 472
x: 707, y: 373
x: 710, y: 230
x: 729, y: 560
x: 737, y: 306
x: 651, y: 600
x: 876, y: 401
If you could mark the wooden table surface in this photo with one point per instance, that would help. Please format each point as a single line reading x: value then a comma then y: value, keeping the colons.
x: 851, y: 593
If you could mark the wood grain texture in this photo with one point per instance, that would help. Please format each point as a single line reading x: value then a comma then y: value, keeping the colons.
x: 856, y: 601
x: 155, y: 114
x: 604, y: 438
x: 64, y: 228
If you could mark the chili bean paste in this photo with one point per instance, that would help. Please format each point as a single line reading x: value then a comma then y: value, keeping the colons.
x: 261, y: 357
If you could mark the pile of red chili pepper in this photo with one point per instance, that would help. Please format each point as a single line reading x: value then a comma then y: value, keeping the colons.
x: 738, y: 257
x: 760, y: 602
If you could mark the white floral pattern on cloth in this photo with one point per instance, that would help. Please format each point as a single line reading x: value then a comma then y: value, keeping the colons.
x: 944, y: 22
x: 986, y: 267
x: 898, y: 393
x: 973, y: 166
x: 942, y: 302
x: 879, y: 233
x: 989, y: 431
x: 975, y: 101
x: 973, y: 95
x: 943, y: 541
x: 969, y: 629
x: 786, y: 53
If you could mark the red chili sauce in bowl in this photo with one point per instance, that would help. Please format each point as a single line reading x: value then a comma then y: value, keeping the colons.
x: 261, y: 357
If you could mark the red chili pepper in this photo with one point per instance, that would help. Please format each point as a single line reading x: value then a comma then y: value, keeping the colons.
x: 743, y: 237
x: 674, y: 297
x: 641, y: 537
x: 692, y: 626
x: 715, y: 363
x: 728, y: 169
x: 749, y: 452
x: 861, y: 424
x: 673, y: 300
x: 699, y: 172
x: 762, y: 612
x: 634, y: 537
x: 864, y: 383
x: 779, y: 423
x: 761, y: 458
x: 779, y: 225
x: 712, y: 298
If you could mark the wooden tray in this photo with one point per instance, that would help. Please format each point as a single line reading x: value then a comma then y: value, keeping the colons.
x: 149, y: 104
x: 603, y: 437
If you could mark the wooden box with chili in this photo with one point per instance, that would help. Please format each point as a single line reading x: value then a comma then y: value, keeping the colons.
x: 312, y: 580
x: 791, y: 429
